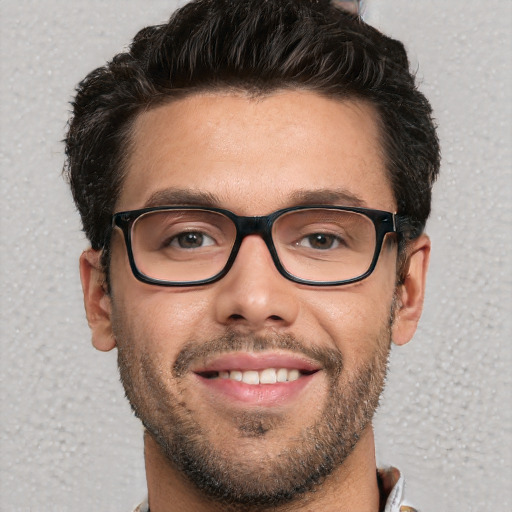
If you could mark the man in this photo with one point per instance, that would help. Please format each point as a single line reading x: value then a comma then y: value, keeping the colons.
x: 254, y: 178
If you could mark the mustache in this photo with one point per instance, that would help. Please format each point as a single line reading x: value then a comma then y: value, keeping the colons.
x: 330, y: 359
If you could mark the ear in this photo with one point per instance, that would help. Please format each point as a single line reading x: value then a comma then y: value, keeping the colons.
x: 411, y: 292
x: 96, y: 300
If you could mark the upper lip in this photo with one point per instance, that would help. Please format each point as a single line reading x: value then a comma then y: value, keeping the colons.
x: 257, y: 361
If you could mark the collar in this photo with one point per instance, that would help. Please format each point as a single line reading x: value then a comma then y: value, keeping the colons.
x: 391, y: 489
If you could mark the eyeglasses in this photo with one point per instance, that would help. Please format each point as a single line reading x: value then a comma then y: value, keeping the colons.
x: 312, y: 245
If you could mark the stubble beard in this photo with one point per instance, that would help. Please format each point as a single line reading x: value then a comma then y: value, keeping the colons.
x: 301, y: 464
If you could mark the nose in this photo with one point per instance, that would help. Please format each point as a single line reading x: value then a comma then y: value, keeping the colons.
x: 254, y: 296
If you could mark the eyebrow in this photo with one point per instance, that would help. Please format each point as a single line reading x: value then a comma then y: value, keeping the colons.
x: 186, y: 197
x: 338, y: 197
x: 179, y: 196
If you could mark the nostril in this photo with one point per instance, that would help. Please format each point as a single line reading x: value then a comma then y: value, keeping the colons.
x: 237, y: 317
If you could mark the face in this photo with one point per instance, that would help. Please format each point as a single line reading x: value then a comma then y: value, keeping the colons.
x: 253, y: 156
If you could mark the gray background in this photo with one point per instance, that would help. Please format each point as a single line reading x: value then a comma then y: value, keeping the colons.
x: 68, y: 440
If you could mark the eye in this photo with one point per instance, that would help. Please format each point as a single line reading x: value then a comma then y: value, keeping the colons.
x: 191, y: 240
x: 321, y: 241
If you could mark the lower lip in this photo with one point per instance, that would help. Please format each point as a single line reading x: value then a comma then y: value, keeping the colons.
x: 262, y: 395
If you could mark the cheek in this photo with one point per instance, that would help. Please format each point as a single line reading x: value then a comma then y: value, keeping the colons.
x: 355, y: 318
x: 158, y: 320
x: 153, y: 317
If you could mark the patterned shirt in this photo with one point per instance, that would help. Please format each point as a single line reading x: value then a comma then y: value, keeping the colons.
x: 391, y: 487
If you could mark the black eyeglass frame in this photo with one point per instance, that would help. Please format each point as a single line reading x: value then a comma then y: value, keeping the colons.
x: 384, y: 223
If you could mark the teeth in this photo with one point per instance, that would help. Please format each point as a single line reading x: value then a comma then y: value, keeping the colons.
x: 251, y: 377
x: 282, y: 375
x: 236, y: 375
x: 293, y: 375
x: 267, y: 376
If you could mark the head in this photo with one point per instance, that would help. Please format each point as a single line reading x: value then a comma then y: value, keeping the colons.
x: 304, y: 45
x: 252, y: 107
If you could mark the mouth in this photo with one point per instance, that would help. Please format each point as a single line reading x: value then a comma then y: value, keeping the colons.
x: 257, y: 379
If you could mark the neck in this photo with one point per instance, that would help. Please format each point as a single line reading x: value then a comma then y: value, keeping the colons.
x: 353, y: 486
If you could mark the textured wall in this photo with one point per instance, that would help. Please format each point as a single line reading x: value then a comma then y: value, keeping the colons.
x: 68, y: 440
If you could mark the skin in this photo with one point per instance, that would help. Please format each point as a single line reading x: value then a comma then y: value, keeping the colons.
x: 255, y: 156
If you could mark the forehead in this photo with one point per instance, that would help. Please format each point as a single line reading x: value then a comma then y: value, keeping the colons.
x: 255, y: 155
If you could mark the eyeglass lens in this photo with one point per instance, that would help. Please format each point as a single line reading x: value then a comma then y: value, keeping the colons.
x: 321, y: 245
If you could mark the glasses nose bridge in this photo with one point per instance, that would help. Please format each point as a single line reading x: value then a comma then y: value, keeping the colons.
x: 261, y: 226
x: 253, y: 226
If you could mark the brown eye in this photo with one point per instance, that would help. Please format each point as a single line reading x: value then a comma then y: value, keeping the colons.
x: 320, y: 241
x: 191, y: 240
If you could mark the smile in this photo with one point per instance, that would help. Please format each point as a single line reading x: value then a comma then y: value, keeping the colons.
x: 255, y: 377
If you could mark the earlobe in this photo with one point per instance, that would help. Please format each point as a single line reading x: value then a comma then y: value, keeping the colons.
x: 96, y: 300
x: 411, y: 292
